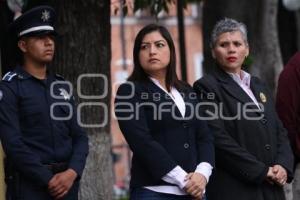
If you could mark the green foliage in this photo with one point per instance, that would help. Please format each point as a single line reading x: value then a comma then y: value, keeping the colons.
x: 123, y: 6
x: 248, y: 62
x: 156, y: 6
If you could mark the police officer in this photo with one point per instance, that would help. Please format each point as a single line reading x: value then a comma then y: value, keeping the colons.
x: 45, y: 147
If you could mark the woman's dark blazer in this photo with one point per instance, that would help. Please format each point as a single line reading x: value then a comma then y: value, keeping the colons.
x: 159, y: 139
x: 245, y: 147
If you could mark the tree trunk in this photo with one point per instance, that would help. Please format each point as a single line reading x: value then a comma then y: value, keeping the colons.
x: 6, y: 45
x: 287, y: 31
x: 260, y: 18
x: 83, y: 46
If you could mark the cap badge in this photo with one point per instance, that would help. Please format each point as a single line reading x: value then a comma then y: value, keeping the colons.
x: 45, y: 15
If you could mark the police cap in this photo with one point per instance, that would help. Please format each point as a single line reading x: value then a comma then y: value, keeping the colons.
x: 36, y: 21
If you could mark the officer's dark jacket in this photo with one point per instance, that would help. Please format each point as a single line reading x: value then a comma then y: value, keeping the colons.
x: 31, y: 138
x: 159, y: 139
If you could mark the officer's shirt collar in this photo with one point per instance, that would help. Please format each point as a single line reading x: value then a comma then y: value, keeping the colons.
x: 23, y: 74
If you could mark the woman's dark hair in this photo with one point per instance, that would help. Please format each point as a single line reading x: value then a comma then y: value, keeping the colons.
x: 138, y: 73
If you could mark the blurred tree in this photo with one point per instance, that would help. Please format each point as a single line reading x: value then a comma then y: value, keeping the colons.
x: 260, y: 18
x: 84, y: 46
x: 289, y: 28
x: 6, y: 16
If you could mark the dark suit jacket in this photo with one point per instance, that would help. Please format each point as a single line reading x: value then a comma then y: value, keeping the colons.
x: 245, y: 147
x: 288, y: 101
x: 159, y: 139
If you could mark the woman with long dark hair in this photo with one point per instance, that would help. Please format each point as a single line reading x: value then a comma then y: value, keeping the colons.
x: 173, y: 153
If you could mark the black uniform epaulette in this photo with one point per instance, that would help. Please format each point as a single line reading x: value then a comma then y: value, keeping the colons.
x: 9, y: 76
x: 59, y: 77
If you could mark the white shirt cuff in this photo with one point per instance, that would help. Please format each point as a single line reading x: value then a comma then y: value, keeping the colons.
x: 176, y: 176
x: 205, y: 169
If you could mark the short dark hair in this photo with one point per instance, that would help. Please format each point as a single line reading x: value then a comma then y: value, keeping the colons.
x: 138, y: 73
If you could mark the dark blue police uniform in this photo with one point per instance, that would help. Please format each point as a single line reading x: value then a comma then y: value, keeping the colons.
x: 38, y: 123
x: 35, y: 142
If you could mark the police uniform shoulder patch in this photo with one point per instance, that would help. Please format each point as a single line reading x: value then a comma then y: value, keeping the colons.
x: 59, y: 77
x: 9, y: 76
